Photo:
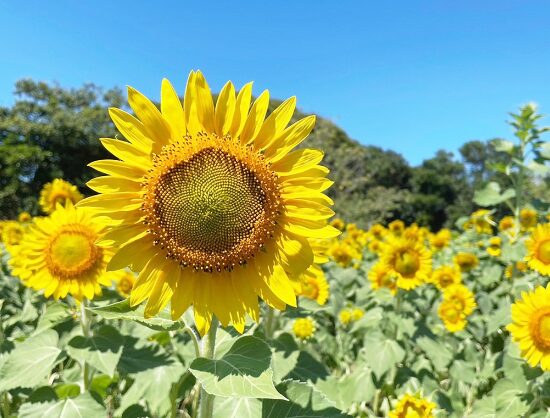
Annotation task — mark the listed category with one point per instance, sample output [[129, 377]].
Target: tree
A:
[[50, 132]]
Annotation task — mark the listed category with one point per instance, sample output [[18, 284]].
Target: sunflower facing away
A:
[[530, 326], [58, 191], [538, 250], [210, 203], [59, 254]]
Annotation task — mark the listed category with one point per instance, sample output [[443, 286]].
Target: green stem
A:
[[269, 320], [85, 323], [5, 405], [206, 401]]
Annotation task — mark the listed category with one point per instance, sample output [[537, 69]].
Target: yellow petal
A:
[[225, 109], [143, 243], [276, 122], [172, 109], [297, 162], [132, 129], [241, 110], [289, 138], [255, 118], [109, 184], [118, 168], [125, 151], [205, 104], [155, 125]]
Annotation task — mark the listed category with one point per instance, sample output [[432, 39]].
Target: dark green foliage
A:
[[50, 132]]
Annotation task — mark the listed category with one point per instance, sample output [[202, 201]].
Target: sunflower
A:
[[338, 223], [466, 261], [209, 202], [381, 276], [345, 316], [441, 239], [530, 326], [507, 223], [24, 217], [315, 285], [357, 314], [344, 252], [445, 276], [461, 297], [304, 328], [59, 255], [481, 221], [494, 246], [124, 280], [12, 234], [527, 218], [377, 231], [538, 249], [409, 260], [453, 318], [396, 227], [412, 406], [58, 191]]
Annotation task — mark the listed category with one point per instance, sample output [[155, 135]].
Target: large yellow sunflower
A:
[[412, 406], [530, 326], [58, 191], [210, 203], [538, 249], [409, 260], [59, 254]]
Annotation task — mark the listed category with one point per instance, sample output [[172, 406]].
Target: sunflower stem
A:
[[6, 404], [269, 320], [206, 401], [86, 324]]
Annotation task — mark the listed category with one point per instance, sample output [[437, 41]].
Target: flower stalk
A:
[[206, 401]]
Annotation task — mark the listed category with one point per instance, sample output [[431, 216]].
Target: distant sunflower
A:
[[538, 249], [59, 255], [124, 281], [396, 227], [527, 218], [530, 326], [494, 247], [209, 202], [461, 296], [357, 314], [441, 239], [315, 285], [345, 316], [304, 328], [409, 260], [445, 276], [12, 234], [412, 406], [466, 261], [453, 318], [382, 276], [506, 223], [24, 217], [338, 223], [58, 191], [344, 252]]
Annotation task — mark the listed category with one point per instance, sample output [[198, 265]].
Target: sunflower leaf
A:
[[81, 406], [30, 362], [123, 310], [102, 351], [244, 371]]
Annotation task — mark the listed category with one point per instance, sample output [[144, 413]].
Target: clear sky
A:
[[411, 76]]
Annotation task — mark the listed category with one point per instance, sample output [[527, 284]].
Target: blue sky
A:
[[411, 76]]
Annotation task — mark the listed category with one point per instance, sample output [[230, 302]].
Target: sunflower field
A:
[[206, 275]]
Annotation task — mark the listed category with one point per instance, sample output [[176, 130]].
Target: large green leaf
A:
[[349, 389], [30, 362], [436, 352], [491, 195], [304, 401], [123, 310], [54, 314], [102, 350], [80, 407], [244, 371], [237, 407], [381, 353], [153, 386]]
